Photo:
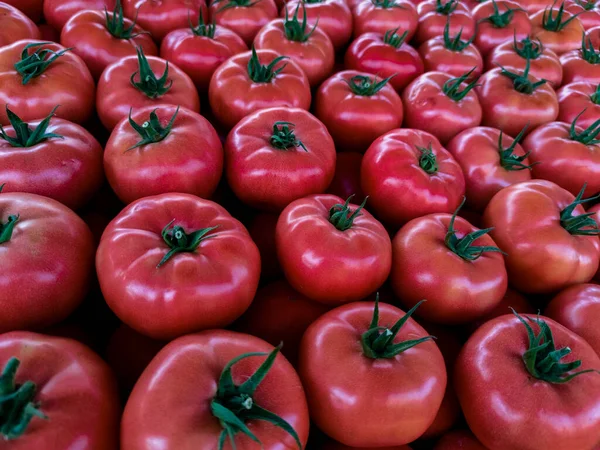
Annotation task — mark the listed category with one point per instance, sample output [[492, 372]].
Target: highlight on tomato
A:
[[15, 25], [244, 17], [58, 12]]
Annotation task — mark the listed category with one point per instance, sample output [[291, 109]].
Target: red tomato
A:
[[363, 390], [101, 38], [436, 15], [490, 161], [505, 377], [138, 81], [441, 104], [379, 16], [262, 229], [256, 80], [587, 11], [511, 300], [357, 109], [35, 77], [15, 25], [385, 55], [58, 12], [346, 181], [459, 440], [47, 254], [67, 396], [575, 98], [198, 51], [322, 241], [408, 174], [533, 6], [201, 378], [278, 155], [183, 260], [31, 8], [548, 244], [244, 17], [582, 64], [160, 150], [558, 30]]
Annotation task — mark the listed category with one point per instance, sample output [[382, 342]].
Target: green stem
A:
[[508, 159], [366, 86], [455, 44], [588, 53], [295, 30], [33, 65], [115, 23], [447, 8], [283, 137], [179, 241], [528, 49], [587, 5], [151, 131], [386, 4], [427, 160], [452, 87], [587, 136], [582, 224], [342, 217], [203, 29], [595, 97], [263, 74], [500, 20], [6, 229], [556, 24], [148, 84], [522, 83], [392, 38], [26, 136]]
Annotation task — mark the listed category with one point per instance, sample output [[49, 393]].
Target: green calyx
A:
[[378, 342], [455, 44], [521, 82], [151, 131], [528, 49], [179, 241], [553, 22], [427, 160], [25, 136], [115, 23], [588, 53], [366, 86], [17, 407], [263, 74], [500, 20], [312, 2], [583, 224], [148, 84], [342, 217], [283, 137], [386, 4], [589, 136], [595, 97], [452, 87], [235, 4], [392, 38], [202, 29], [542, 358], [6, 229], [33, 65], [587, 5], [295, 30], [445, 8], [234, 405], [510, 161]]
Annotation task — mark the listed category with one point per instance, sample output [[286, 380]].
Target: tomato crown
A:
[[589, 136], [392, 38], [283, 137], [528, 49], [6, 229], [149, 85], [34, 64], [500, 20], [386, 4], [508, 160], [17, 407], [365, 86], [179, 241], [445, 8], [234, 4], [556, 23], [342, 217], [452, 87], [582, 224], [25, 136], [294, 29], [455, 44], [263, 74], [202, 29], [522, 83], [587, 5], [427, 159], [588, 53], [233, 405], [151, 131], [595, 97], [115, 23]]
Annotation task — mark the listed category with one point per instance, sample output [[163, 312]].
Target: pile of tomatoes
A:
[[225, 225]]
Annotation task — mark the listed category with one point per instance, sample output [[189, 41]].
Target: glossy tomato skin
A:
[[524, 231], [459, 440], [246, 21], [31, 8], [183, 378], [117, 96], [58, 12], [75, 389], [188, 160], [15, 25], [399, 189], [489, 36], [370, 18], [576, 97], [589, 18], [269, 178], [394, 400], [569, 38], [87, 35], [476, 151], [576, 68], [437, 58], [46, 265], [353, 120], [233, 95], [432, 23], [346, 180], [66, 82], [490, 372]]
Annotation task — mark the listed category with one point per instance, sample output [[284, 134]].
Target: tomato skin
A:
[[292, 173], [394, 400], [320, 261], [116, 96], [459, 440], [432, 23], [437, 58], [488, 36], [353, 120], [58, 12], [573, 99], [588, 18], [490, 373], [188, 160], [233, 95], [262, 229], [346, 180], [221, 276], [567, 39], [524, 231], [46, 265], [245, 21], [87, 34], [369, 18], [183, 378], [31, 8], [199, 56], [15, 25], [66, 82], [578, 69]]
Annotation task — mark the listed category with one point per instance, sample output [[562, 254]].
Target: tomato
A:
[[198, 51], [262, 229], [459, 440], [58, 12], [244, 17], [588, 12], [288, 144], [534, 6], [256, 80], [436, 15], [51, 157], [441, 105], [193, 389], [549, 245], [66, 396], [519, 393], [357, 109], [385, 55], [582, 64], [15, 25], [379, 16], [346, 180], [47, 254], [101, 38], [35, 77], [408, 174], [183, 260], [490, 161], [511, 300], [558, 30], [31, 8], [138, 81], [396, 390], [580, 99], [167, 149]]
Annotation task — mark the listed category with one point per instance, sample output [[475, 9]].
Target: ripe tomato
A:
[[529, 216], [459, 440], [101, 38], [208, 383], [533, 6], [290, 145], [582, 64], [587, 11], [35, 77], [31, 8], [490, 161], [15, 25], [558, 30], [346, 181], [198, 51], [575, 98], [160, 150], [58, 12], [385, 55], [379, 16], [262, 229], [436, 15], [244, 17], [135, 82], [396, 390], [47, 254], [357, 109], [63, 394], [407, 174], [183, 260], [505, 376], [256, 80]]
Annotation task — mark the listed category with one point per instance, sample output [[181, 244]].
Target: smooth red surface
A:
[[369, 18], [578, 69], [575, 98], [589, 18], [569, 38], [346, 181], [58, 12], [432, 23], [245, 21], [437, 58], [15, 25]]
